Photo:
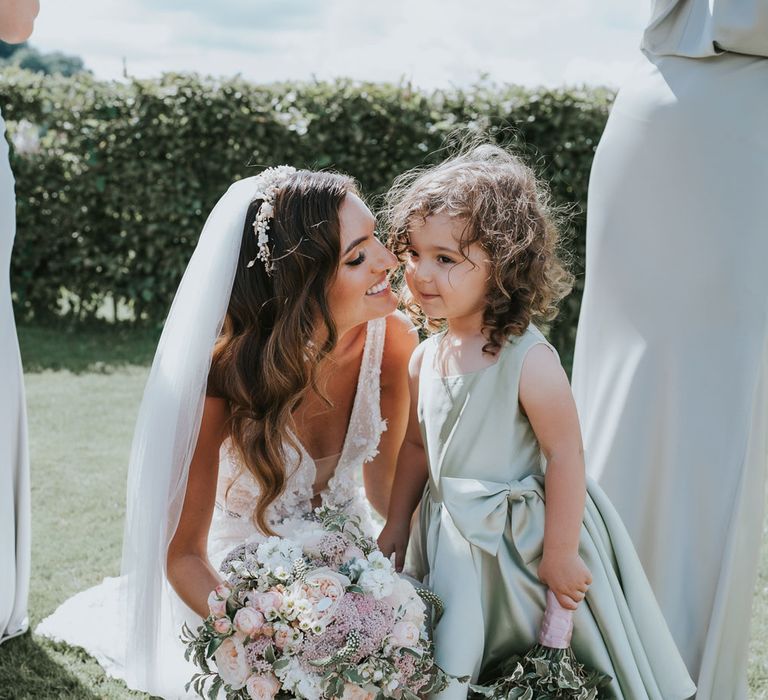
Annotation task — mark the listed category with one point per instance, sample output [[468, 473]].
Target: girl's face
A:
[[445, 282], [360, 291]]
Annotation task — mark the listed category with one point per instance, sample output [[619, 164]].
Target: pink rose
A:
[[223, 591], [325, 588], [248, 621], [222, 625], [404, 634], [262, 687], [283, 635], [355, 692], [231, 662], [217, 607], [267, 603]]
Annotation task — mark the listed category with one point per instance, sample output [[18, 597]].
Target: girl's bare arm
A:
[[545, 396]]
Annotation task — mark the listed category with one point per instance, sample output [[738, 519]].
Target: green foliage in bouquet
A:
[[114, 180], [544, 674]]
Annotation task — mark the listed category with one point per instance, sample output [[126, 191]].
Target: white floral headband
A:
[[268, 184]]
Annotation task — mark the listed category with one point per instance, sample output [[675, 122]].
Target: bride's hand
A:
[[394, 539]]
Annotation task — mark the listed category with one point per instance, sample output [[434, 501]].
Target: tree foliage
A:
[[112, 199], [29, 58]]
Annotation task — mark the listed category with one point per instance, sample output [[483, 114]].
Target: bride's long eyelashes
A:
[[357, 261]]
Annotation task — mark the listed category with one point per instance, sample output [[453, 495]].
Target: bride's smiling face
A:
[[360, 290]]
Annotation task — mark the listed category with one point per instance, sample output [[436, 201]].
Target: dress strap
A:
[[513, 356], [374, 345], [371, 424]]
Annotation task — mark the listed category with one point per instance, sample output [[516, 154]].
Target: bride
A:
[[281, 373]]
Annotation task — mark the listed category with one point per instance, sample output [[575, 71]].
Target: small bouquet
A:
[[322, 614], [549, 671]]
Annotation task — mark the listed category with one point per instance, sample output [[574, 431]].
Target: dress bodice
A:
[[472, 424], [237, 491]]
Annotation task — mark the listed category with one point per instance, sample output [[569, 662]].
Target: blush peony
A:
[[232, 663]]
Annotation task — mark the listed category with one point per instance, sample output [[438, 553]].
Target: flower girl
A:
[[494, 443]]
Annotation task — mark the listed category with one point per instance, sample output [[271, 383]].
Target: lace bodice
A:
[[237, 491]]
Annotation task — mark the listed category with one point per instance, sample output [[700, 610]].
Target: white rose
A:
[[248, 621], [377, 582], [262, 687], [404, 634], [355, 692], [405, 600], [231, 663], [377, 560], [297, 681]]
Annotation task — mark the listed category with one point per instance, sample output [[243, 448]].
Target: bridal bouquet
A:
[[322, 614]]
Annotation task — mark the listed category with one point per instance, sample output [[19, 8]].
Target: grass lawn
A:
[[83, 392]]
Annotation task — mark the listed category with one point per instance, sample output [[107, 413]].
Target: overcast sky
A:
[[434, 43]]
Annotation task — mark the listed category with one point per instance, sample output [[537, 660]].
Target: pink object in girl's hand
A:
[[557, 626]]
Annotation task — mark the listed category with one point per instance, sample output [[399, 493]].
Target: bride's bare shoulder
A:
[[401, 339]]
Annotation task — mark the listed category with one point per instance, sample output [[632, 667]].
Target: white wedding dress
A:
[[94, 619]]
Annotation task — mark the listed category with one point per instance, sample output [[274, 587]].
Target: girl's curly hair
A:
[[507, 212]]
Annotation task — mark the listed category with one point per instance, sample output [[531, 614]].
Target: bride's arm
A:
[[189, 571], [400, 342]]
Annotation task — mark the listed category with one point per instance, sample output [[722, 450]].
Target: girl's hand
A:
[[567, 576], [394, 539]]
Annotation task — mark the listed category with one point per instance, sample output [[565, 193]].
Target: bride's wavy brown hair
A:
[[507, 211], [266, 357]]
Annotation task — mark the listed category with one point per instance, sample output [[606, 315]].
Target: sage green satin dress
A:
[[480, 535]]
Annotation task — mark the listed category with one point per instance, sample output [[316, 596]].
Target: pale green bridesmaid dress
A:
[[480, 538]]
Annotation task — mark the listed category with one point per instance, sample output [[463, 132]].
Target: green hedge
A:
[[111, 203]]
